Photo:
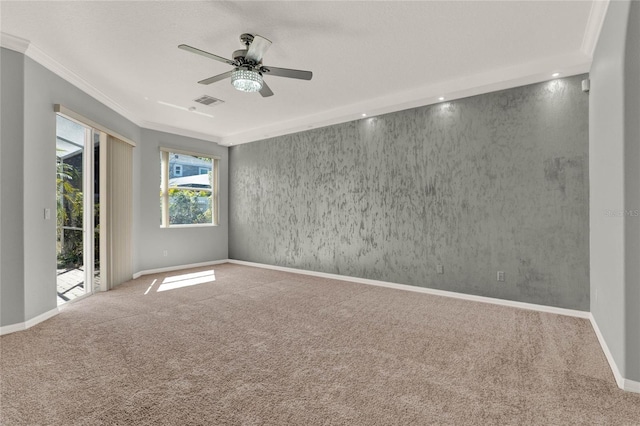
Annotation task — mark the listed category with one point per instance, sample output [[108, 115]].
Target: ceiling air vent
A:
[[208, 100]]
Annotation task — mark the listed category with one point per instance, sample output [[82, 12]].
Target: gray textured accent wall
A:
[[492, 182]]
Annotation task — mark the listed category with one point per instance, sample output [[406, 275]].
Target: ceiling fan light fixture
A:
[[246, 75], [246, 80]]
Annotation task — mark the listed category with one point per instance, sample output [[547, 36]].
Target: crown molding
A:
[[150, 125], [498, 79], [14, 43], [491, 81], [38, 55], [594, 26], [70, 76]]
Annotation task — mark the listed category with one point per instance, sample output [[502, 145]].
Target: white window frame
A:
[[164, 187], [177, 167]]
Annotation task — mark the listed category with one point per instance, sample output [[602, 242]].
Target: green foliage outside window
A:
[[189, 206], [189, 199], [69, 214]]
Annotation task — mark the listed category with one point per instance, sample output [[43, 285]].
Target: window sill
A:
[[196, 225]]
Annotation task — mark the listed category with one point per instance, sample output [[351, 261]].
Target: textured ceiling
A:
[[366, 57]]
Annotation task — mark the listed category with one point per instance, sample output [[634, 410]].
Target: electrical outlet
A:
[[47, 214], [165, 253], [440, 269], [501, 276]]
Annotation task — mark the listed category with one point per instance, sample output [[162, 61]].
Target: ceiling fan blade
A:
[[285, 72], [266, 90], [216, 78], [257, 48], [205, 54]]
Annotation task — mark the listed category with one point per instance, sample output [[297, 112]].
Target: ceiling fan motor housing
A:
[[246, 39], [239, 55]]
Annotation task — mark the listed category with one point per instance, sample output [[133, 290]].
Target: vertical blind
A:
[[117, 221], [116, 201]]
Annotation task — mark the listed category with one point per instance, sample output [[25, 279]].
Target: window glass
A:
[[188, 189]]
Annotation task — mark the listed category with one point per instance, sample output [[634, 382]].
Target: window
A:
[[190, 197]]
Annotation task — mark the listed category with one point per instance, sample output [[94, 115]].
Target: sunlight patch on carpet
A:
[[186, 280], [149, 288]]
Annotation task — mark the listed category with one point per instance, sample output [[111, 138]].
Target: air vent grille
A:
[[208, 100]]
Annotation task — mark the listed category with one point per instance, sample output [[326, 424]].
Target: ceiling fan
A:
[[248, 72]]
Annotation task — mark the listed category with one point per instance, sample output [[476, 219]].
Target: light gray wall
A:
[[11, 188], [632, 193], [184, 245], [43, 89], [493, 182], [615, 185], [28, 253]]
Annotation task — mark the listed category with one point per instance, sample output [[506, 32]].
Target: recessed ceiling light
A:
[[555, 74], [441, 98], [364, 115]]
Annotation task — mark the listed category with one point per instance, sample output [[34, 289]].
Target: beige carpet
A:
[[260, 347]]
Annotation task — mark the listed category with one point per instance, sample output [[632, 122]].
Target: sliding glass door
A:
[[77, 187]]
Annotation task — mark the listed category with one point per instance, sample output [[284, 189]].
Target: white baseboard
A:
[[28, 324], [483, 299], [7, 329], [631, 386], [74, 300], [607, 353], [178, 267], [624, 384]]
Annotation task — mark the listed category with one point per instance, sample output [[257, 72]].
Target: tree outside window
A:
[[188, 198]]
